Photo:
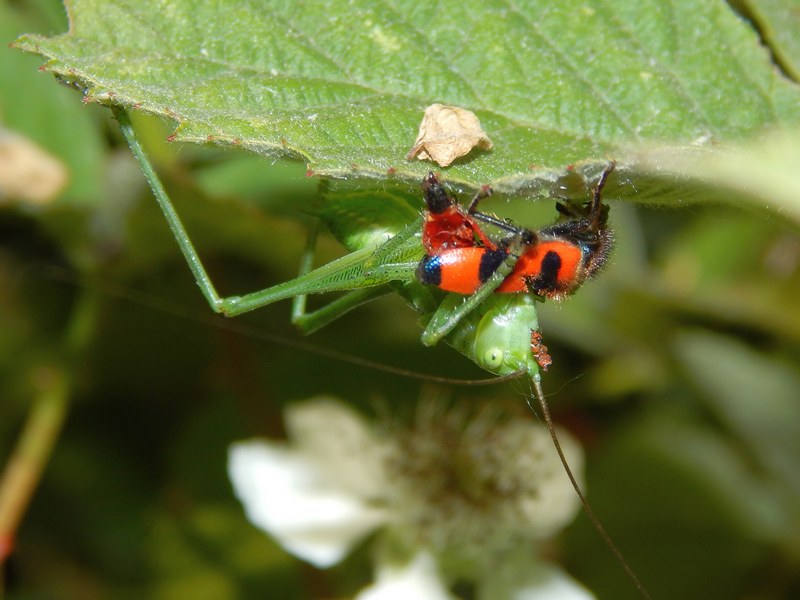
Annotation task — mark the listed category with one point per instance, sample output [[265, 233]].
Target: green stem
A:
[[42, 427], [32, 451]]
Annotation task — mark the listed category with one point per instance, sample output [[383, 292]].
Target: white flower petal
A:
[[532, 580], [341, 441], [296, 502], [418, 579], [551, 583]]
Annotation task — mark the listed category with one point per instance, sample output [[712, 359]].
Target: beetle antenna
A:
[[538, 393]]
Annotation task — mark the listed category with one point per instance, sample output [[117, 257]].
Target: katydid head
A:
[[497, 336]]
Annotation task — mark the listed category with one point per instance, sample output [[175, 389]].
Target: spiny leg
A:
[[472, 209], [399, 248], [174, 221], [311, 322], [597, 197], [308, 322]]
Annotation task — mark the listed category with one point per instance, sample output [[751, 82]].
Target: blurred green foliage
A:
[[679, 368]]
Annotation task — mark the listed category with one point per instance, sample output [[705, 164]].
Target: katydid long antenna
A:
[[538, 394], [159, 304]]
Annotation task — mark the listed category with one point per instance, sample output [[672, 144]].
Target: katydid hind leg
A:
[[175, 224], [346, 274]]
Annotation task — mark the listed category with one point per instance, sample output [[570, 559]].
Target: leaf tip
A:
[[25, 44]]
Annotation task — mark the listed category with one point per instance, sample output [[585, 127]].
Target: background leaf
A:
[[779, 21]]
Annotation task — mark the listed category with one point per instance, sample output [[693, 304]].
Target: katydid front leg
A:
[[454, 308]]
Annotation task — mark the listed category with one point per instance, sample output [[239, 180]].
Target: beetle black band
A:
[[547, 279], [429, 270], [490, 261]]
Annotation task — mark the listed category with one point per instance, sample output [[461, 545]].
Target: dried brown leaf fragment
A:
[[27, 172], [447, 133]]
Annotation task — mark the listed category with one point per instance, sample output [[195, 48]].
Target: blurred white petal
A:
[[341, 441], [480, 504], [552, 584], [419, 580], [533, 580], [299, 504]]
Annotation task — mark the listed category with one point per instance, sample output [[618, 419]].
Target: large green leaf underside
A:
[[343, 85]]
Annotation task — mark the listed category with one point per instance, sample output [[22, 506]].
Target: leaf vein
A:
[[571, 67]]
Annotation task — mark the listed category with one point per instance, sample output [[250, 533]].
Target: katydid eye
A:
[[493, 358]]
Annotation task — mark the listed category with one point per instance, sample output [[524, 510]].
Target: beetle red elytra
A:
[[556, 261]]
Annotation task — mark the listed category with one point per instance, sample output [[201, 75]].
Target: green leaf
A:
[[755, 396], [761, 173], [668, 478], [343, 85]]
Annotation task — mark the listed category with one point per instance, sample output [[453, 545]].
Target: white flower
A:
[[419, 578], [522, 577], [314, 499], [456, 496]]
